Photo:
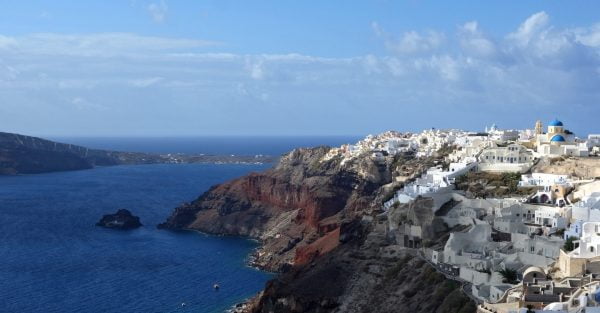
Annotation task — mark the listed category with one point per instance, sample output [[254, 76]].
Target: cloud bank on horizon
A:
[[124, 83]]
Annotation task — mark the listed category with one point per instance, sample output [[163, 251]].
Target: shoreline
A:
[[249, 261]]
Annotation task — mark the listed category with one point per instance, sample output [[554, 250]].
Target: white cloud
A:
[[536, 69], [530, 28], [379, 32], [371, 64], [82, 104], [146, 82], [158, 11], [410, 41], [97, 45], [255, 68], [590, 36], [7, 42], [473, 40], [74, 84]]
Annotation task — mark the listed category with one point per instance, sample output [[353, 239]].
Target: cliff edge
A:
[[295, 209], [316, 214]]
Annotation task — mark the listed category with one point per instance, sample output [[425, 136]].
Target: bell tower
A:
[[538, 127]]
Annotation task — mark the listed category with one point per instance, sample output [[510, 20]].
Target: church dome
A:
[[558, 138], [555, 122]]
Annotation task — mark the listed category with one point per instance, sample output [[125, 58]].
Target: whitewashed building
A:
[[586, 255], [588, 209], [512, 158]]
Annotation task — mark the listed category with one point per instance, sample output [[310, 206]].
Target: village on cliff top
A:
[[535, 252]]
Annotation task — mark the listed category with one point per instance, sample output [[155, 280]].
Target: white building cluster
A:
[[528, 235], [498, 150]]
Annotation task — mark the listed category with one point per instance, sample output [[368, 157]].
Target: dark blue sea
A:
[[53, 258]]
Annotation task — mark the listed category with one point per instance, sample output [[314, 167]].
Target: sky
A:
[[283, 67]]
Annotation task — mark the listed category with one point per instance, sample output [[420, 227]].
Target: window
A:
[[591, 249]]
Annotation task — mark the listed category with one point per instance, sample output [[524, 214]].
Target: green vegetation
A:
[[569, 244], [451, 299], [456, 302], [428, 243], [393, 271], [508, 276], [431, 276], [446, 150], [482, 184], [511, 180], [553, 161]]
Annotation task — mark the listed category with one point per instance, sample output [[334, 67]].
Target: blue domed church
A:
[[557, 141]]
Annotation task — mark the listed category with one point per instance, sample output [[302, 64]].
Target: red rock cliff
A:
[[291, 205]]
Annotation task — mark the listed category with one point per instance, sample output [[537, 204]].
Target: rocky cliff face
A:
[[313, 214], [363, 275], [295, 208], [30, 155]]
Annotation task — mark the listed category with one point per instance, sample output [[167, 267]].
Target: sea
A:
[[54, 259]]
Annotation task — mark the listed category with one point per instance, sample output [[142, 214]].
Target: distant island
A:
[[20, 154]]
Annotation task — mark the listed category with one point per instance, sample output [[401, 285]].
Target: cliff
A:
[[304, 197], [364, 274], [21, 154], [313, 213]]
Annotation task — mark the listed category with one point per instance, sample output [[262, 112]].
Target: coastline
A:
[[250, 259], [171, 268], [250, 262]]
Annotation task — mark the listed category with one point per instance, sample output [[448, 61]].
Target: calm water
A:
[[53, 258]]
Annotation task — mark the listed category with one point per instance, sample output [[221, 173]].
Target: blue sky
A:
[[170, 68]]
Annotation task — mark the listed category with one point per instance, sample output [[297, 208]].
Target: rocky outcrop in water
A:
[[122, 220]]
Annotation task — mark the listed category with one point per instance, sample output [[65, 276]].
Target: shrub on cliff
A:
[[509, 275], [456, 302], [393, 271], [569, 244]]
